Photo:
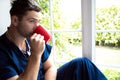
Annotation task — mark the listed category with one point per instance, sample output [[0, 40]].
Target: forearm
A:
[[31, 70], [37, 45], [51, 74]]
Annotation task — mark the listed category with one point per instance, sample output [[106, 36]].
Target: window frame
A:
[[88, 11]]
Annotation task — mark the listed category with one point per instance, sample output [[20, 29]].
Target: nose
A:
[[36, 24]]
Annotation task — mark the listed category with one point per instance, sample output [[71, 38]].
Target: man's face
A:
[[28, 23]]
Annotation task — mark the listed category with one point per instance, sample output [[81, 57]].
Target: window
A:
[[66, 29]]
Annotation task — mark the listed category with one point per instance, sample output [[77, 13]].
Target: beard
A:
[[24, 33], [28, 35]]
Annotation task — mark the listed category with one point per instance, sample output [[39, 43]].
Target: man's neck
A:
[[16, 39]]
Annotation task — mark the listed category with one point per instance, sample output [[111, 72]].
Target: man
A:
[[14, 46], [26, 56]]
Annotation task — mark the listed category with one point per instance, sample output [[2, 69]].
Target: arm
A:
[[30, 72], [32, 68], [50, 69]]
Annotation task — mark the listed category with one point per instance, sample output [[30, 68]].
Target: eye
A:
[[33, 21]]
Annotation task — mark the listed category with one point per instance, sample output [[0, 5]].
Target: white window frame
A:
[[88, 28]]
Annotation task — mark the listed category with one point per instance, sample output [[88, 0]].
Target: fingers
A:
[[37, 37], [37, 44]]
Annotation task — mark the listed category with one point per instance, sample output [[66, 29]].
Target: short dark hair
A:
[[20, 7]]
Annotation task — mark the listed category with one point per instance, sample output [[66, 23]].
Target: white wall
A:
[[4, 15]]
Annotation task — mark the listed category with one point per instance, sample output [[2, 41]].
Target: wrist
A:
[[35, 57]]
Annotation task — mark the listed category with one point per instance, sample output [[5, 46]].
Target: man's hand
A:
[[37, 44]]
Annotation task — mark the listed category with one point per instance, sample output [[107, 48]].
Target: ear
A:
[[14, 20]]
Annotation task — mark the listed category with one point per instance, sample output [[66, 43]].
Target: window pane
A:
[[108, 37], [107, 14], [66, 29], [67, 46], [67, 14], [108, 51]]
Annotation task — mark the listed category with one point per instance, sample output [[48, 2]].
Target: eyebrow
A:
[[34, 19]]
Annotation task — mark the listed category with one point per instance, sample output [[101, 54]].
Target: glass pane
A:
[[108, 43], [66, 30], [108, 49], [108, 14], [67, 46], [67, 14]]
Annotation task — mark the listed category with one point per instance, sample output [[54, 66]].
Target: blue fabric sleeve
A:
[[46, 53], [6, 70]]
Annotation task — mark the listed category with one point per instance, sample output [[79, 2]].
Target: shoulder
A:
[[5, 43], [6, 46]]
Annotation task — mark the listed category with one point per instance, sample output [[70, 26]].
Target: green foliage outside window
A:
[[108, 19], [112, 74]]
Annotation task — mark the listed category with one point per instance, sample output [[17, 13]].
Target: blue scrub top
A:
[[13, 61]]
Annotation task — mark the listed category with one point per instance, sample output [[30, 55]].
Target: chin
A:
[[27, 35]]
